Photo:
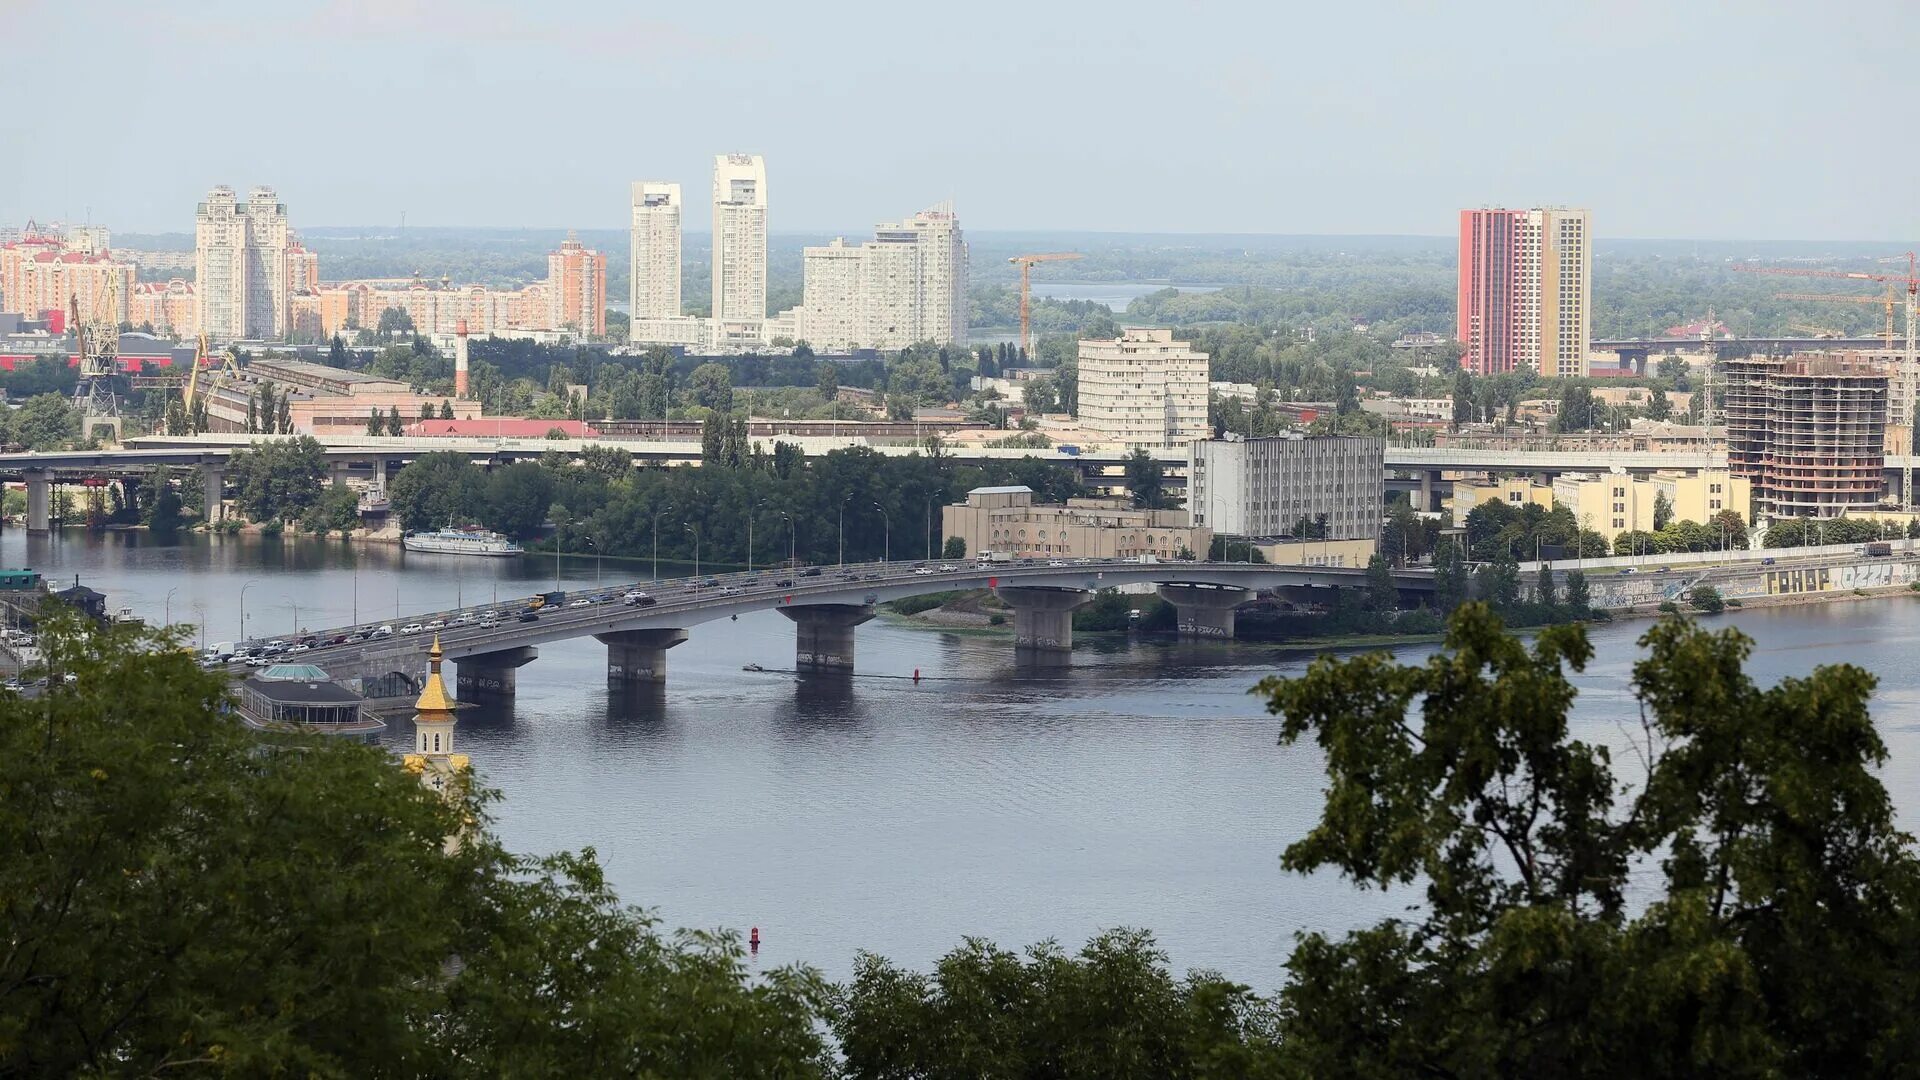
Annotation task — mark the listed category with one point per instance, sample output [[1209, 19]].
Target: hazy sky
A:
[[1669, 118]]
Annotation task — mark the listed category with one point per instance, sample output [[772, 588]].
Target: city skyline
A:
[[1030, 131]]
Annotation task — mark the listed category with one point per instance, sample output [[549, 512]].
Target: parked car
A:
[[410, 628]]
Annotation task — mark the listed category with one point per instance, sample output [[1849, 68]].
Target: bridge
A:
[[825, 608]]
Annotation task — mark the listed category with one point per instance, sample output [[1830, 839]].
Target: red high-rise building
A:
[[1489, 263], [1524, 291]]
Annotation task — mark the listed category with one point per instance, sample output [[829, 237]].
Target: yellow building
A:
[[1318, 552], [1514, 492], [1703, 495], [1006, 519], [1613, 503]]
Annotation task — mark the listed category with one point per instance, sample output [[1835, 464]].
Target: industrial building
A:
[[1266, 487], [1809, 431], [323, 400]]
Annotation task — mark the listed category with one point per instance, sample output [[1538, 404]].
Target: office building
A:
[[241, 267], [1143, 390], [1006, 519], [739, 243], [1524, 290], [577, 289], [1334, 484], [1808, 430], [906, 285], [654, 260]]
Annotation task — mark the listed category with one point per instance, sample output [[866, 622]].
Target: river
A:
[[1140, 787]]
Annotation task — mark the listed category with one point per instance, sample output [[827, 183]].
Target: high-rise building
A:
[[906, 285], [577, 288], [1143, 389], [739, 242], [43, 273], [1335, 484], [1808, 430], [1524, 290], [654, 272], [240, 263]]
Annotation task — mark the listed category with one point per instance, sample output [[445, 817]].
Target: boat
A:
[[752, 667], [460, 542]]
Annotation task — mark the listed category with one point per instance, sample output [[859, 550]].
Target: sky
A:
[[1667, 118]]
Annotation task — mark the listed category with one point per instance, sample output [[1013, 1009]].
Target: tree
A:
[[1382, 594], [163, 518], [1543, 591], [1778, 936], [954, 548], [289, 902], [1450, 586], [1146, 481], [394, 321], [1659, 406], [395, 426], [436, 490], [376, 424], [426, 410], [517, 498], [337, 352], [713, 435], [1579, 597], [1499, 582], [446, 410], [336, 510], [278, 481], [45, 422], [1662, 510], [828, 381], [1706, 598], [711, 386], [1671, 368]]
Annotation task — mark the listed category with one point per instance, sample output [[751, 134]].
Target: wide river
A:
[[1142, 786]]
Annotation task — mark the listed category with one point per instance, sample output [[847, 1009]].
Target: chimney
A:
[[460, 360]]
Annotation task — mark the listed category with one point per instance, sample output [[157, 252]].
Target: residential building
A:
[[739, 241], [654, 259], [170, 308], [1143, 389], [242, 279], [40, 274], [906, 285], [1808, 431], [1515, 492], [1613, 503], [1524, 290], [1006, 519], [577, 289], [1268, 487]]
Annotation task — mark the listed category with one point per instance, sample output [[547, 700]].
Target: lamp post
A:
[[752, 512], [295, 605], [588, 540], [166, 619], [792, 531], [243, 608], [843, 529], [695, 530], [201, 610], [930, 527], [886, 534], [656, 539]]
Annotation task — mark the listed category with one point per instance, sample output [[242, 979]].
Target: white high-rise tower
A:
[[655, 266], [739, 244], [240, 265]]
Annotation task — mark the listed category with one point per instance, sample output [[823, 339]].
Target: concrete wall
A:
[[1751, 583]]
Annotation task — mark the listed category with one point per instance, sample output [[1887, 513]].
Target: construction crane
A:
[[1025, 263], [1910, 361], [1886, 333], [98, 344], [190, 392], [1812, 330]]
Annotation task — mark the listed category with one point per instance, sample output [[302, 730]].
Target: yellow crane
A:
[[1812, 330], [1886, 301], [1025, 262], [190, 390]]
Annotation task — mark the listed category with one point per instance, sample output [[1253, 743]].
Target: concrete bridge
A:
[[825, 610]]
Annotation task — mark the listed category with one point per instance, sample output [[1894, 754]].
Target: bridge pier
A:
[[823, 635], [1204, 611], [491, 674], [1043, 620], [638, 656], [1427, 477], [39, 499], [213, 492]]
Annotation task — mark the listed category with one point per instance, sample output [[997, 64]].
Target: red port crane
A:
[[1025, 263]]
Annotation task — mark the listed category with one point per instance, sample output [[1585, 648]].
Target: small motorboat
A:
[[752, 667]]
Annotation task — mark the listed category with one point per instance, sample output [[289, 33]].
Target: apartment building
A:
[[1808, 431], [739, 242], [1006, 519], [906, 285], [1266, 487], [41, 273], [1524, 290], [577, 289], [169, 307], [654, 256], [242, 277], [1143, 390]]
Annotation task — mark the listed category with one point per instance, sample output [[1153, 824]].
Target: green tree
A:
[[1146, 481], [1659, 406], [395, 426], [1579, 598], [45, 422], [1706, 598], [828, 381], [1775, 899], [426, 410], [278, 481], [711, 386], [438, 489], [1382, 594], [446, 410], [1543, 591], [394, 321], [1662, 510], [954, 548], [1462, 398], [337, 509], [517, 498], [1450, 584], [376, 424], [337, 352], [1498, 582]]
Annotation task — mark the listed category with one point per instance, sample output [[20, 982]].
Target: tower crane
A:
[[1886, 333], [1910, 361], [1025, 262], [1815, 330]]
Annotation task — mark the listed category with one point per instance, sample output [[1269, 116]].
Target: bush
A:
[[914, 605], [1668, 607], [996, 619], [1706, 598]]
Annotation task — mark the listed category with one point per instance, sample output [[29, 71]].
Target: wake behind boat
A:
[[460, 542]]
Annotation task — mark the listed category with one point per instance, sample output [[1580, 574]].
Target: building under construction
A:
[[1808, 430]]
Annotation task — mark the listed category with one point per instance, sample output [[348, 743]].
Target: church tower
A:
[[433, 759]]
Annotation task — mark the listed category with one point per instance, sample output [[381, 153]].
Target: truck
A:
[[546, 600], [994, 557], [1879, 548]]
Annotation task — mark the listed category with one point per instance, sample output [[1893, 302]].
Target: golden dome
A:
[[433, 696]]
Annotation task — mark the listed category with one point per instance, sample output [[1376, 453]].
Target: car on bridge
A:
[[529, 616], [412, 628], [638, 599]]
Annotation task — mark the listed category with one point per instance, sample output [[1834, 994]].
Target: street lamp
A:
[[843, 529], [291, 602], [166, 619], [752, 512], [695, 530], [930, 499], [201, 610], [792, 530], [243, 608], [886, 534], [588, 540], [656, 539]]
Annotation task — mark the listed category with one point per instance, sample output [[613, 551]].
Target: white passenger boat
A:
[[460, 542]]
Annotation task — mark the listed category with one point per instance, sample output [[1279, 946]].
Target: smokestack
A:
[[460, 360]]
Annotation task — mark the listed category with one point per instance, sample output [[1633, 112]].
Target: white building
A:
[[1264, 487], [240, 265], [654, 265], [906, 285], [1143, 390], [739, 244]]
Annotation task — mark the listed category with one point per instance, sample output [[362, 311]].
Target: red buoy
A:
[[916, 674], [753, 939]]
